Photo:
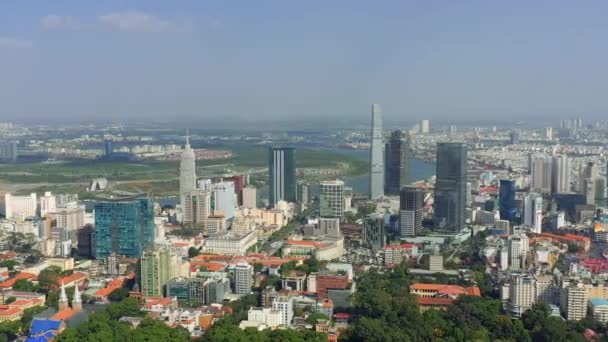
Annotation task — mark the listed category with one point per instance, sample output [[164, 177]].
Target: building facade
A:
[[376, 173], [282, 174], [395, 162], [450, 187], [411, 202], [331, 198]]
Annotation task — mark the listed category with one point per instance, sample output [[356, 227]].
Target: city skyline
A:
[[197, 61]]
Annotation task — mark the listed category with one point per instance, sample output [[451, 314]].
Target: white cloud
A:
[[55, 22], [135, 21], [13, 43]]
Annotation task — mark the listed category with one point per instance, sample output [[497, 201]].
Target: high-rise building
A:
[[155, 269], [395, 162], [331, 198], [187, 171], [303, 193], [411, 202], [450, 186], [70, 218], [19, 206], [48, 204], [124, 227], [507, 207], [108, 148], [282, 172], [284, 304], [560, 180], [522, 294], [85, 241], [224, 199], [250, 197], [514, 138], [541, 170], [549, 133], [425, 126], [8, 151], [376, 172], [600, 191], [196, 207], [518, 251], [374, 234], [239, 184], [243, 278], [533, 212]]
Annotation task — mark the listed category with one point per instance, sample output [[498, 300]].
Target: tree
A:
[[192, 252], [315, 317], [10, 264], [25, 286], [127, 307], [118, 294]]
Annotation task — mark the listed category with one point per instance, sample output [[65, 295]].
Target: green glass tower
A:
[[124, 227]]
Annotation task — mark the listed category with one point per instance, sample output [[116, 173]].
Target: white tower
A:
[[187, 170], [376, 172]]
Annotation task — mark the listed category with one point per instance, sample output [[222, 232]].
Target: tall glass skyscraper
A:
[[331, 198], [450, 186], [124, 227], [411, 202], [187, 171], [395, 162], [507, 206], [282, 172], [376, 171]]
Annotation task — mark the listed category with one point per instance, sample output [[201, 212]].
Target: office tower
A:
[[284, 304], [411, 202], [239, 184], [518, 251], [541, 170], [560, 180], [124, 227], [243, 278], [586, 172], [19, 206], [374, 234], [589, 190], [522, 294], [196, 207], [48, 204], [600, 191], [469, 196], [282, 172], [533, 212], [508, 210], [250, 197], [450, 186], [85, 241], [514, 138], [395, 162], [425, 126], [376, 172], [224, 199], [108, 148], [303, 193], [331, 198], [70, 218], [549, 133], [453, 129], [155, 269], [187, 171], [8, 151]]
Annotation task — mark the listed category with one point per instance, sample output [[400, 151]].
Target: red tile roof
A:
[[434, 301], [10, 282]]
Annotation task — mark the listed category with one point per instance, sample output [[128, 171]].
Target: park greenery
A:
[[385, 311]]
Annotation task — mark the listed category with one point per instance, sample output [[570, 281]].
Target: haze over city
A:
[[277, 60]]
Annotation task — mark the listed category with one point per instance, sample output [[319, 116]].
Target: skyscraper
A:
[[224, 199], [376, 172], [187, 171], [411, 202], [425, 126], [124, 227], [282, 172], [243, 278], [541, 170], [508, 209], [155, 269], [196, 206], [331, 198], [374, 234], [8, 151], [250, 197], [396, 162], [560, 180], [450, 186], [533, 212]]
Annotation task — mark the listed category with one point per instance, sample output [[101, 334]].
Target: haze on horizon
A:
[[267, 60]]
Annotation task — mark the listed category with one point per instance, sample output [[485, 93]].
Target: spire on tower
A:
[[63, 297], [77, 298]]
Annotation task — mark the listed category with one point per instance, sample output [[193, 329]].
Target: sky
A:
[[261, 60]]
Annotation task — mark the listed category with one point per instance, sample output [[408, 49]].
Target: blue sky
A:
[[449, 60]]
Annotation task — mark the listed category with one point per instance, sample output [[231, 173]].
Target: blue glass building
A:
[[450, 187], [124, 227], [507, 205]]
